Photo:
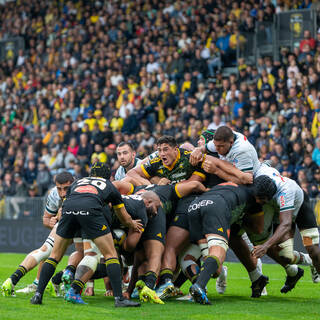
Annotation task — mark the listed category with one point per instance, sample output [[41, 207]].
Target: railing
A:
[[22, 207], [286, 30]]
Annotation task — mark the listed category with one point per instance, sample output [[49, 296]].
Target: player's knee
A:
[[286, 250], [310, 237], [214, 241], [90, 261], [44, 252]]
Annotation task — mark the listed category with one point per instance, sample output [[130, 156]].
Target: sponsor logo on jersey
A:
[[77, 213], [86, 189], [282, 201], [279, 176], [178, 175], [202, 203]]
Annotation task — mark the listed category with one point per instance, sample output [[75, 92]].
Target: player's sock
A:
[[77, 286], [255, 275], [181, 279], [18, 274], [56, 279], [193, 275], [114, 273], [302, 258], [142, 277], [150, 279], [100, 272], [291, 270], [210, 267], [165, 275], [36, 281], [47, 272], [71, 268]]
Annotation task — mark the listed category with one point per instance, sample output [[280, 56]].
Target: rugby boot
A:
[[147, 294], [164, 291], [7, 288], [292, 281], [121, 302], [30, 288], [73, 297], [314, 274], [221, 283], [67, 279], [198, 294], [36, 299], [258, 286]]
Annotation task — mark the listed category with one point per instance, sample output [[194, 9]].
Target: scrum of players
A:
[[168, 219]]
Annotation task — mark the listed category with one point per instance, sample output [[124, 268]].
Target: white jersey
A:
[[242, 154], [53, 201], [289, 195], [121, 171]]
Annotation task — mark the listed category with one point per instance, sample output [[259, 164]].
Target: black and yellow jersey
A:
[[180, 170]]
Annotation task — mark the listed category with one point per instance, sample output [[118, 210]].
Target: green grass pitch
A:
[[302, 303]]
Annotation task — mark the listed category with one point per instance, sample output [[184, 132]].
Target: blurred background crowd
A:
[[94, 73]]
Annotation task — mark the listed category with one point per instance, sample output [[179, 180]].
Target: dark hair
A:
[[264, 187], [171, 141], [63, 177], [223, 133], [124, 143], [100, 169]]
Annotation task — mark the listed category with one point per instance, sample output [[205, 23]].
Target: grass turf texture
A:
[[302, 303]]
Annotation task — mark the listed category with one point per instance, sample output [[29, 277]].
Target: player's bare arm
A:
[[226, 171], [279, 235], [126, 220]]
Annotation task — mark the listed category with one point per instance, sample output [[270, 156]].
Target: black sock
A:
[[56, 279], [181, 279], [210, 266], [18, 274], [142, 277], [165, 275], [101, 271], [77, 286], [193, 276], [150, 279], [114, 273], [47, 272], [71, 268]]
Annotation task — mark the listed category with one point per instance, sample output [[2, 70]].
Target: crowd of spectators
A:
[[95, 73]]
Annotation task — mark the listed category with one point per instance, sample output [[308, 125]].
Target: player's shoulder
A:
[[53, 192]]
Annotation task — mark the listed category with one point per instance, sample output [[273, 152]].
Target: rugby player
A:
[[127, 159], [234, 148], [83, 209], [294, 209], [55, 197], [212, 215]]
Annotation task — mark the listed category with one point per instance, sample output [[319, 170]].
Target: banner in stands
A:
[[22, 235], [298, 21], [9, 48]]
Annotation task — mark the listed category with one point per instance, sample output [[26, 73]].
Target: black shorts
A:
[[156, 228], [91, 223], [212, 218], [306, 218], [180, 220]]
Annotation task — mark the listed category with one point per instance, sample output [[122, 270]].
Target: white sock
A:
[[222, 275], [35, 281], [305, 259], [255, 275], [291, 270]]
